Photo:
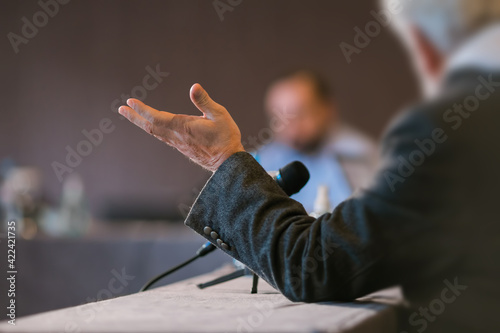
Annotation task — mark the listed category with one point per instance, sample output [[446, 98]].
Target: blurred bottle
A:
[[21, 199], [73, 217], [322, 202]]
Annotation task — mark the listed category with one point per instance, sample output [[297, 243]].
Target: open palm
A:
[[208, 140]]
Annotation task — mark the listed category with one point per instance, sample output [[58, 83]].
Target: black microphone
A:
[[292, 177]]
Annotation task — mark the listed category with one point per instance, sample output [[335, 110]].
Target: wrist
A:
[[223, 157]]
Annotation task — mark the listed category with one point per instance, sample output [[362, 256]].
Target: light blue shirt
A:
[[323, 167]]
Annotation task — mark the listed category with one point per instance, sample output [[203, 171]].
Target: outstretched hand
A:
[[208, 140]]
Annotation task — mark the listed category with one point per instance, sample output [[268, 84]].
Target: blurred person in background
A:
[[429, 220], [307, 127]]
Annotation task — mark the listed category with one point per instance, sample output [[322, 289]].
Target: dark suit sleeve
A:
[[370, 241]]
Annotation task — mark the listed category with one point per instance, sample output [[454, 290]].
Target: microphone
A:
[[292, 177]]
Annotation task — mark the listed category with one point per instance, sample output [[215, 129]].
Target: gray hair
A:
[[446, 23]]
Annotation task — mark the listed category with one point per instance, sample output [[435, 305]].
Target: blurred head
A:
[[301, 110], [434, 29]]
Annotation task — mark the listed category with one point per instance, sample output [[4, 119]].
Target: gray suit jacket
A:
[[429, 222]]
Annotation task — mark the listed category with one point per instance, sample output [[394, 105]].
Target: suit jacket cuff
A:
[[211, 213]]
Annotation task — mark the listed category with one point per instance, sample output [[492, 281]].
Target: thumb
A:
[[204, 103]]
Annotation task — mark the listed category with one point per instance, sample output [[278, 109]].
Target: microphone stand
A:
[[231, 276]]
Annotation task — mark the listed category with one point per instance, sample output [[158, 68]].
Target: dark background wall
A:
[[66, 77]]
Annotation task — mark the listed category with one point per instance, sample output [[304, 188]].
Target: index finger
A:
[[144, 110], [136, 119]]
